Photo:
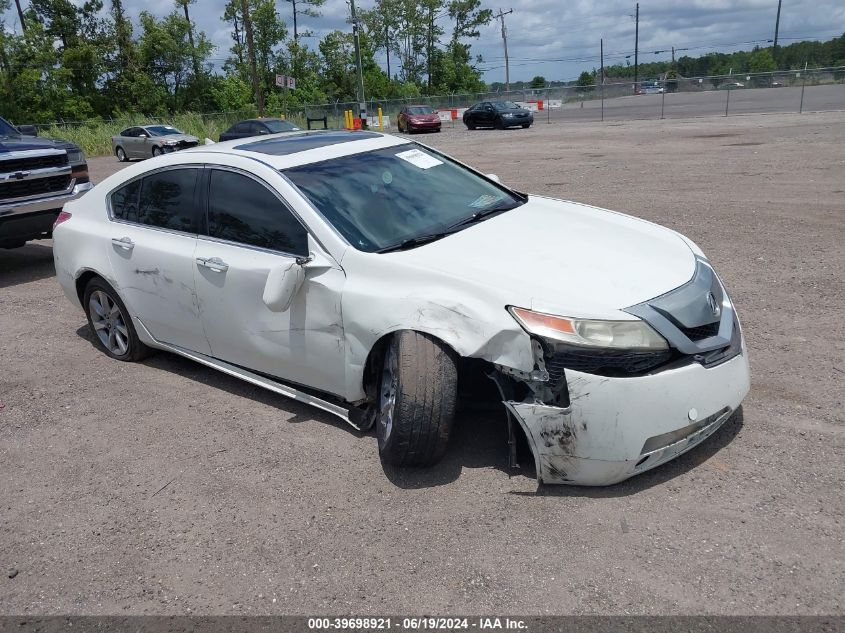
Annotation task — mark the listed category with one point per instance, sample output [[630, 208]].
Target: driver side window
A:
[[243, 210]]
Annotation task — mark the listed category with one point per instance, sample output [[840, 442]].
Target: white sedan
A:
[[380, 280]]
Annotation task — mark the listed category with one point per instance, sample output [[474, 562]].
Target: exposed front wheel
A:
[[111, 324], [417, 396], [157, 151], [121, 154], [525, 126]]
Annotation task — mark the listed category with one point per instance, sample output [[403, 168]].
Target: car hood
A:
[[25, 143], [566, 258]]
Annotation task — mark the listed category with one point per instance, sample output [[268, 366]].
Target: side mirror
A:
[[493, 177], [28, 130], [142, 136], [283, 282], [263, 132]]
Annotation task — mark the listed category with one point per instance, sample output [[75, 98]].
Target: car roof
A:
[[290, 149]]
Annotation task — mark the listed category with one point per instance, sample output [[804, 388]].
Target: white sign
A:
[[419, 159], [281, 80], [372, 122], [445, 115], [291, 83]]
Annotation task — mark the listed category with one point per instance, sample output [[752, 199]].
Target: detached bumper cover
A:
[[615, 428]]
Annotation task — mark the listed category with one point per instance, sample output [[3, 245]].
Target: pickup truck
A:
[[37, 177]]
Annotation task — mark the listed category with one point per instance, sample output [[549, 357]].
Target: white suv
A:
[[370, 276]]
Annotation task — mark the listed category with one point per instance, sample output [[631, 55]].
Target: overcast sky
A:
[[559, 38]]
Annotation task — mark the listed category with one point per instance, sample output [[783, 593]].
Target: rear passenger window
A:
[[245, 211], [124, 202], [167, 200], [164, 199]]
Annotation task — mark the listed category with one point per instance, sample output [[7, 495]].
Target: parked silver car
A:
[[144, 141]]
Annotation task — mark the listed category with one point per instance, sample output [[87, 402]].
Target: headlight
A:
[[75, 156], [508, 114], [630, 335]]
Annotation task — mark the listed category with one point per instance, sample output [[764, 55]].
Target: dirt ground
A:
[[165, 487]]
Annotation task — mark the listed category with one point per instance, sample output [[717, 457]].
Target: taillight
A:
[[64, 216]]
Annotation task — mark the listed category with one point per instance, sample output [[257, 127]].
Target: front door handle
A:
[[213, 263], [125, 243]]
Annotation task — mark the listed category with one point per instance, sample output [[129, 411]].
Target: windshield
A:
[[420, 110], [280, 126], [505, 105], [162, 130], [382, 198], [6, 129]]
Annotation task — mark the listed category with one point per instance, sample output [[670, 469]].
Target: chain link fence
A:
[[820, 89]]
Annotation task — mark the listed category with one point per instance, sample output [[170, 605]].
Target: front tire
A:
[[111, 324], [121, 155], [157, 151], [417, 398]]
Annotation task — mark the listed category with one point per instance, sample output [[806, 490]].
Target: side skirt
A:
[[248, 376]]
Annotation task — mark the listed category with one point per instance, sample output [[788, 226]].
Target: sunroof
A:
[[293, 144]]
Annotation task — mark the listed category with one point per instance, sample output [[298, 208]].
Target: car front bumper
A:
[[28, 218], [424, 125], [615, 428]]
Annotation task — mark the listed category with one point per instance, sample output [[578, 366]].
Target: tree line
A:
[[758, 60], [75, 61]]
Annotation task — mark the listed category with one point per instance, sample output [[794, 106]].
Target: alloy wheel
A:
[[109, 323]]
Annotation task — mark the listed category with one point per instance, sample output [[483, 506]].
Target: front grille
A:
[[29, 163], [604, 362], [186, 144], [701, 332], [33, 187]]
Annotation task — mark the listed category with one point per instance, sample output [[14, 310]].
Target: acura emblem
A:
[[715, 308]]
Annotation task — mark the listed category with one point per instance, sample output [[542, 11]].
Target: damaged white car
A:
[[372, 277]]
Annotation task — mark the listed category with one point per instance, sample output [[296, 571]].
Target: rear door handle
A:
[[213, 263], [125, 243]]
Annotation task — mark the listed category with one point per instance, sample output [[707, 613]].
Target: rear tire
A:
[[110, 323], [121, 155], [417, 398]]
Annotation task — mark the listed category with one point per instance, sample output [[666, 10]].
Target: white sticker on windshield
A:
[[419, 159]]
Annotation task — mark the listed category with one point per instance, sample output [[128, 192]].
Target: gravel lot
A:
[[164, 487]]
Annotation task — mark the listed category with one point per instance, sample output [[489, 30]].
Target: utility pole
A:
[[777, 26], [20, 15], [256, 86], [601, 54], [673, 54], [362, 106], [601, 48], [501, 16], [636, 50]]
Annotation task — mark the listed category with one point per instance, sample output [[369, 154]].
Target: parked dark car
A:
[[497, 114], [257, 127], [418, 118]]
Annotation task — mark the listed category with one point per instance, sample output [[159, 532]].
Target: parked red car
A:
[[418, 118]]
